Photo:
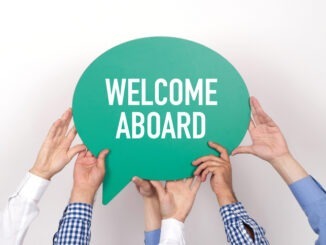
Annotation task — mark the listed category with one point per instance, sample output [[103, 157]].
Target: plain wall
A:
[[277, 46]]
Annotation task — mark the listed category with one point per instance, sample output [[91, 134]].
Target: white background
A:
[[278, 46]]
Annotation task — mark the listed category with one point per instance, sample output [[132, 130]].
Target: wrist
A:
[[42, 173], [82, 195], [286, 157], [289, 168], [226, 198], [152, 213]]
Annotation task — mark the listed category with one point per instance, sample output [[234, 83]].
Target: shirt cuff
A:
[[307, 191], [232, 212], [172, 230], [32, 187], [153, 237], [78, 210]]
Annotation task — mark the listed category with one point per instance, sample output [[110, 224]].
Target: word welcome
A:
[[175, 92]]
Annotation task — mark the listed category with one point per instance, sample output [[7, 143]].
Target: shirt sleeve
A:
[[172, 232], [235, 218], [75, 225], [312, 199], [21, 209], [152, 237]]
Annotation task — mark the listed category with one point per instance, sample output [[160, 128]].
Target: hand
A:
[[56, 152], [144, 187], [268, 142], [177, 197], [220, 168], [88, 176], [151, 203]]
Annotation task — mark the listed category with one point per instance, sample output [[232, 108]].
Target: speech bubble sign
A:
[[155, 102]]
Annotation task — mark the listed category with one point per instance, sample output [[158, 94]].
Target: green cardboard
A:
[[156, 155]]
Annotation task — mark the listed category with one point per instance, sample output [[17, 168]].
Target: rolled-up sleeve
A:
[[235, 218]]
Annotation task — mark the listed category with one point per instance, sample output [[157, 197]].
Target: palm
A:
[[268, 141], [56, 150], [177, 197], [87, 171], [168, 205]]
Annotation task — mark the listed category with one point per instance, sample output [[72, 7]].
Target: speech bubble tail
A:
[[112, 185]]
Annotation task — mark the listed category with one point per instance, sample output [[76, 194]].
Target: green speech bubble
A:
[[155, 102]]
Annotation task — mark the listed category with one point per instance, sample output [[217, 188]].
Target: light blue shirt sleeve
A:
[[312, 199], [152, 237]]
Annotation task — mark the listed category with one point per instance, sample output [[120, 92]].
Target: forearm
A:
[[82, 195], [152, 214], [289, 169]]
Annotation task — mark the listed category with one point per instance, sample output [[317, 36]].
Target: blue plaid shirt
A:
[[75, 225], [235, 217]]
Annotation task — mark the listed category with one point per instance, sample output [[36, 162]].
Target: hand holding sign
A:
[[155, 102]]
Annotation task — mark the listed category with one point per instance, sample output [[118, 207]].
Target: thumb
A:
[[76, 149], [158, 187], [101, 159], [243, 150]]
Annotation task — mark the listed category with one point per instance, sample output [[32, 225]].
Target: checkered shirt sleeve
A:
[[235, 217], [75, 225]]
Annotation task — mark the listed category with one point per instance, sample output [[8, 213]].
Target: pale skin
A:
[[269, 144], [151, 203], [176, 198], [89, 172], [56, 151], [221, 176]]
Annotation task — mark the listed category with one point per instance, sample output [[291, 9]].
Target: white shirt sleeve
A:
[[172, 232], [21, 210]]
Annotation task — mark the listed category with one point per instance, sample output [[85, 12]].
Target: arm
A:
[[269, 144], [54, 155], [176, 200], [151, 211], [75, 225], [239, 227]]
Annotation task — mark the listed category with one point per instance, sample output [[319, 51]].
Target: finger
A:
[[206, 165], [66, 118], [75, 150], [251, 125], [261, 117], [220, 149], [205, 159], [58, 132], [140, 182], [82, 154], [89, 154], [206, 172], [189, 181], [101, 158], [70, 137], [243, 150], [158, 187], [53, 130], [196, 184]]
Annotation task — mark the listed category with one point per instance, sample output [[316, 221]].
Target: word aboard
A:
[[175, 92]]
